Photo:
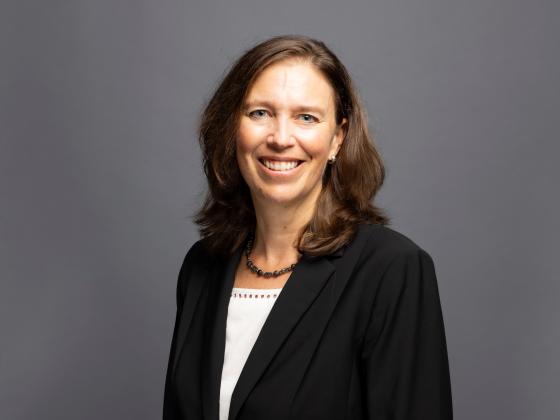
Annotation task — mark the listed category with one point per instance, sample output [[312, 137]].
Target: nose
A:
[[282, 135]]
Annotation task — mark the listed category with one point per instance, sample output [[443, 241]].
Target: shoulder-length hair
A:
[[227, 215]]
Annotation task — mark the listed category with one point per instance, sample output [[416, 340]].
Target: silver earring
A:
[[332, 159]]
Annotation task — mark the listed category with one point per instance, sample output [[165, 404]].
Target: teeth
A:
[[280, 165]]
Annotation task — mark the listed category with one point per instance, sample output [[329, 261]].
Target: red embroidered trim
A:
[[254, 295]]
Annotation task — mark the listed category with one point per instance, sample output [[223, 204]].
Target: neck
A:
[[277, 231]]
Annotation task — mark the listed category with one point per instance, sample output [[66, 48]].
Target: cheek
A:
[[245, 145], [249, 136], [243, 165], [242, 160], [316, 144], [244, 152]]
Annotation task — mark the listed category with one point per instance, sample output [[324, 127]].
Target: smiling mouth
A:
[[277, 165]]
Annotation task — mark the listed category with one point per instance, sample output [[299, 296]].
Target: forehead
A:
[[292, 81]]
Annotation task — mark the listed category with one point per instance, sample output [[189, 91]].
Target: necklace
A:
[[257, 270]]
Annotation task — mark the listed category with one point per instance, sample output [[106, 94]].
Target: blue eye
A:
[[258, 113], [307, 118]]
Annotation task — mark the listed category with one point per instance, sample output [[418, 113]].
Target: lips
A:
[[280, 165]]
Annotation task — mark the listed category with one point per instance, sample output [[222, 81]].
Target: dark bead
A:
[[254, 269]]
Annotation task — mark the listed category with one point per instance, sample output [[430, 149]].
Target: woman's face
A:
[[287, 132]]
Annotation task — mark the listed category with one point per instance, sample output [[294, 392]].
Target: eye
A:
[[258, 113], [307, 118]]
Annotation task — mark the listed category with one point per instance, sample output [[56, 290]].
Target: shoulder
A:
[[379, 250], [386, 242], [196, 260], [193, 254], [197, 257], [389, 263]]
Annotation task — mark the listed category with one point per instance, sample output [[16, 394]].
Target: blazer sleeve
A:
[[406, 370], [171, 409]]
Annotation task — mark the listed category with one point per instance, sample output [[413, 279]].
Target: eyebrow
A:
[[299, 108]]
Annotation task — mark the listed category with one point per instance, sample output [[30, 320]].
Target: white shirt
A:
[[247, 312]]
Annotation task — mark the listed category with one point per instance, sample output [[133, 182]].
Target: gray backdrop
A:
[[100, 170]]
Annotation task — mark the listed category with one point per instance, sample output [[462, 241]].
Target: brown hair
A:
[[227, 216]]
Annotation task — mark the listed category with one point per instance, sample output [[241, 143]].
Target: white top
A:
[[247, 312]]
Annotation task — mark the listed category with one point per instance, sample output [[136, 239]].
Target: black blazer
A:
[[357, 334]]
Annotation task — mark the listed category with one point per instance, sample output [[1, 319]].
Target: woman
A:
[[299, 302]]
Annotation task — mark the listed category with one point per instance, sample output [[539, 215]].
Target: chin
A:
[[284, 197], [280, 199]]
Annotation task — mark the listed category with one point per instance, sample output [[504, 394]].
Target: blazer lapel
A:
[[221, 283], [306, 281], [192, 295]]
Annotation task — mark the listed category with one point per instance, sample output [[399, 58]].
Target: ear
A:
[[339, 136]]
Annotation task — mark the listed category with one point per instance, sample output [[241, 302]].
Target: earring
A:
[[332, 159]]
